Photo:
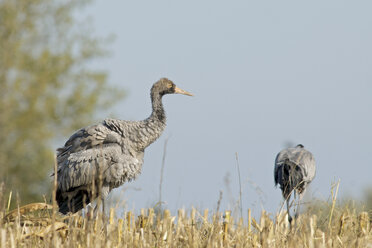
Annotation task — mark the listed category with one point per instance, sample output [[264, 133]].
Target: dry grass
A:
[[34, 226]]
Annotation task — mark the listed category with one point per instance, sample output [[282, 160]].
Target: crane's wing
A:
[[86, 174], [102, 144], [108, 164], [87, 138], [94, 158]]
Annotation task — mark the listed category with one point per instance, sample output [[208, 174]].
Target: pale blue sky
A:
[[263, 73]]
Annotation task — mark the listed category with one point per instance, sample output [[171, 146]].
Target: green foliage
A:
[[46, 87]]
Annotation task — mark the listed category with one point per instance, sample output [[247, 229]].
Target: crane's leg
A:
[[298, 205], [105, 192], [287, 199], [103, 205], [289, 214], [89, 211], [101, 200], [95, 210]]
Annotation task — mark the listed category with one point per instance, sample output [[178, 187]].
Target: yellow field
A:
[[38, 225]]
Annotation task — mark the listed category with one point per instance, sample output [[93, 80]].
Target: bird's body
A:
[[99, 158], [294, 170]]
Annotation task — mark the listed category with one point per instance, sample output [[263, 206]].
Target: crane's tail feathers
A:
[[290, 178], [72, 201]]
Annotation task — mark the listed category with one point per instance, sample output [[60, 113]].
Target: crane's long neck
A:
[[158, 113], [154, 125]]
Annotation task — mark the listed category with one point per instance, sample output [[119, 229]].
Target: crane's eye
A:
[[169, 85]]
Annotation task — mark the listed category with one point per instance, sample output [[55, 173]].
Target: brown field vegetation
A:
[[39, 225]]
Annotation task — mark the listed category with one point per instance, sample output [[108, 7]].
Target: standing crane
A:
[[99, 158], [294, 170]]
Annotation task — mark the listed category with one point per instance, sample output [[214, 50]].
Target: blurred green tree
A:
[[47, 88]]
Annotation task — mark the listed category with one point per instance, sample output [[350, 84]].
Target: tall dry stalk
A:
[[9, 201], [334, 197], [54, 202], [240, 186], [162, 171], [219, 202]]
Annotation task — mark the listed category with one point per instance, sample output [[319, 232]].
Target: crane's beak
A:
[[183, 92]]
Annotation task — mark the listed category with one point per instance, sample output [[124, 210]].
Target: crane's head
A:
[[165, 86]]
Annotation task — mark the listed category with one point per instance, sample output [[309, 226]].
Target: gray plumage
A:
[[99, 158], [294, 170]]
